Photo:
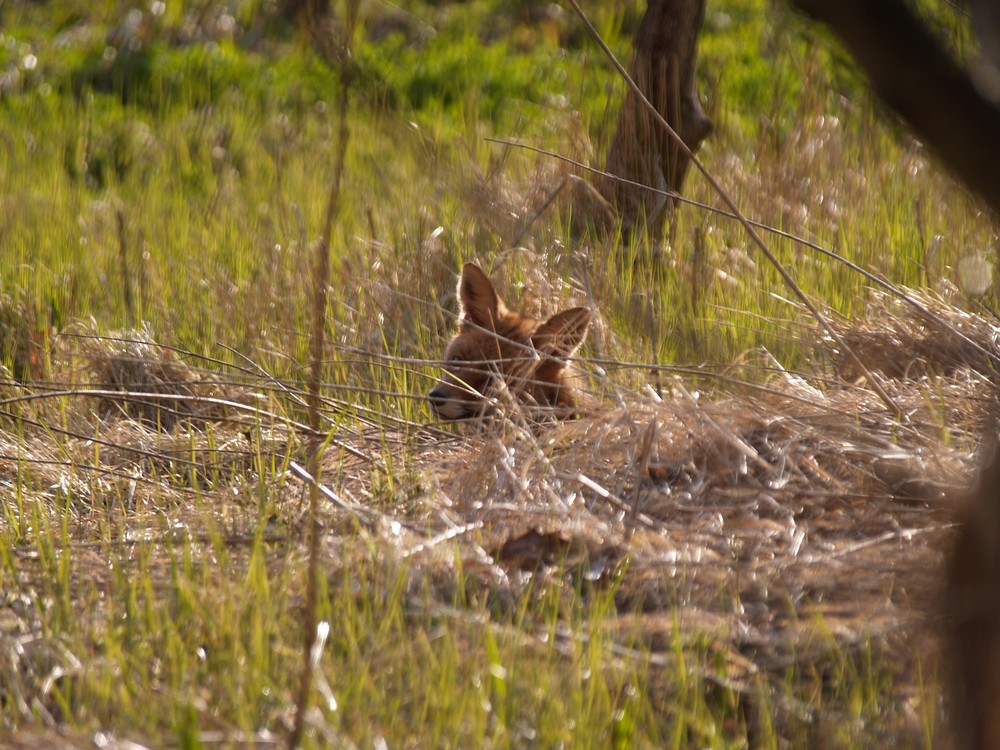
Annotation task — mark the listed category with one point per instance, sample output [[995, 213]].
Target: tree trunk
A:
[[972, 606], [642, 152]]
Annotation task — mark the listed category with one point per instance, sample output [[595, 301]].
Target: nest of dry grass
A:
[[143, 380], [768, 508], [923, 335]]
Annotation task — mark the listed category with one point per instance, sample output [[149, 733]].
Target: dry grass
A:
[[772, 527], [790, 523], [147, 382], [923, 336]]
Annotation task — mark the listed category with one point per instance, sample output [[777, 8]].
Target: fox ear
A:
[[479, 301], [562, 334]]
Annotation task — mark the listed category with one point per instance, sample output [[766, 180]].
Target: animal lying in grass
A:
[[494, 343]]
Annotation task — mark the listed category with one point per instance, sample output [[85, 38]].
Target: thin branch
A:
[[314, 382]]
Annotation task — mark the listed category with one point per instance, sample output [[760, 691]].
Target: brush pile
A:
[[147, 382]]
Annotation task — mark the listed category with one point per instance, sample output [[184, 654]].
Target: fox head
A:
[[492, 342]]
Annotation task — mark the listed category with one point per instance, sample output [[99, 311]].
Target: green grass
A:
[[182, 608]]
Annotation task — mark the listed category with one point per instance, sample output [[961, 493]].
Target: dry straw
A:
[[787, 521]]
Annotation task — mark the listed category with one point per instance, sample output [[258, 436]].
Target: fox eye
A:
[[454, 358]]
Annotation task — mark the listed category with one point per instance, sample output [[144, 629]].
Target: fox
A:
[[494, 343]]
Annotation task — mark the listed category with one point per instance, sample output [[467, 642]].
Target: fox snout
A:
[[437, 395], [455, 399], [446, 404]]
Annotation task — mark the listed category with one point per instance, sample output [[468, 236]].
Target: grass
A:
[[154, 574]]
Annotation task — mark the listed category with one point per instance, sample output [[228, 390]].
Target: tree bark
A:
[[663, 67], [972, 608]]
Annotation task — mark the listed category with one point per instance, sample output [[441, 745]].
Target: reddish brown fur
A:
[[491, 340]]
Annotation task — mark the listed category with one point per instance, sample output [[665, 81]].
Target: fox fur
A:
[[492, 342]]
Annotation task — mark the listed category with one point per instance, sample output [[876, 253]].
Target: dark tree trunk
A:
[[642, 151], [972, 606]]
